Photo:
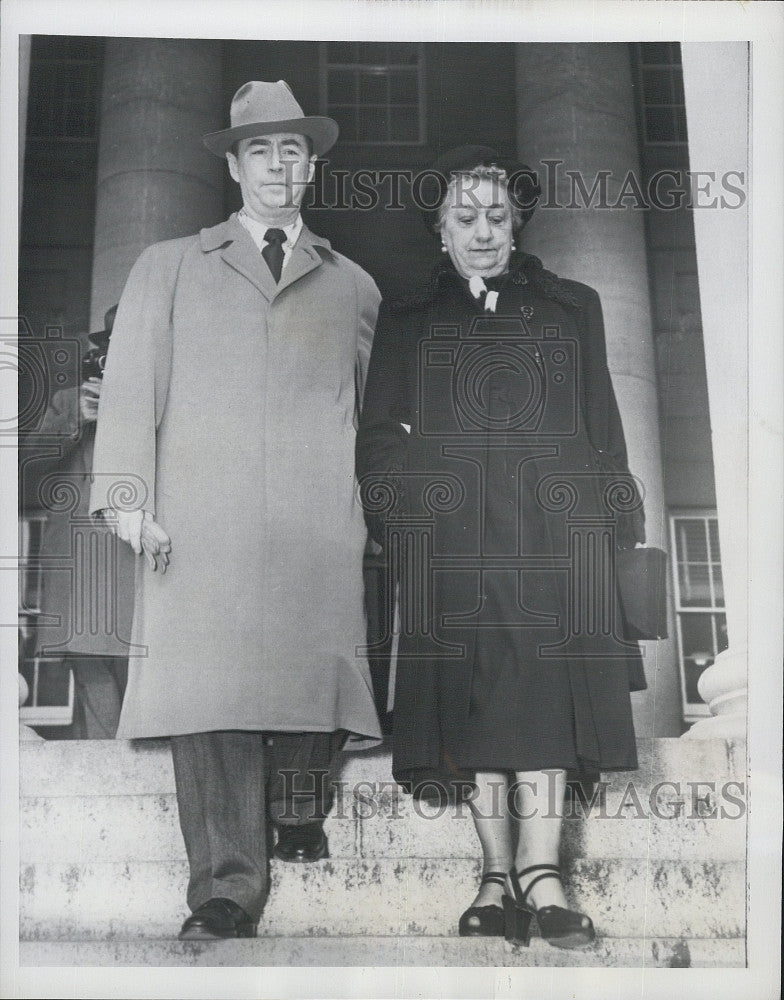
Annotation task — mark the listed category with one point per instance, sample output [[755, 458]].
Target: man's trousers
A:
[[230, 785]]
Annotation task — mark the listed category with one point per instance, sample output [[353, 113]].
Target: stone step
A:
[[104, 828], [397, 952], [123, 767], [335, 898]]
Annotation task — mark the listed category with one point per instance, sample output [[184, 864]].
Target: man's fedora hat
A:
[[260, 108], [101, 337]]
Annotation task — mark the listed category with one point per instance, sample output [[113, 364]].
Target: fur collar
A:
[[524, 269]]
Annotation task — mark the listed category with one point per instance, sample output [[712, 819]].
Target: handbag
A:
[[642, 592]]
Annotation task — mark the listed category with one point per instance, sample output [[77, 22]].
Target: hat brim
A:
[[323, 133], [100, 338]]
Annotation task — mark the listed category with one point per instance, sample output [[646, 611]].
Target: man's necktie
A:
[[273, 251]]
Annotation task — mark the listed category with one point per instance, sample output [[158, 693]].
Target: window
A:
[[375, 91], [50, 683], [660, 78], [64, 88], [699, 602]]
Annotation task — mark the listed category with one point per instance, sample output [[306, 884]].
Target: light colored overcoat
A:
[[228, 411]]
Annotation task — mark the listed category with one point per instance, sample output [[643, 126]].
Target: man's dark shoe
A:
[[301, 844], [217, 918]]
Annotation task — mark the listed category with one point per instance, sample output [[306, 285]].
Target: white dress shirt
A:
[[258, 229]]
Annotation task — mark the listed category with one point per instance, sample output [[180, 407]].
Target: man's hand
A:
[[156, 543], [89, 393], [143, 533]]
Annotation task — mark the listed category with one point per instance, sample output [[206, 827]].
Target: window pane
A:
[[372, 125], [341, 86], [718, 585], [405, 124], [372, 88], [691, 673], [694, 579], [346, 119], [404, 87], [697, 635], [691, 540], [713, 535], [375, 96], [721, 633]]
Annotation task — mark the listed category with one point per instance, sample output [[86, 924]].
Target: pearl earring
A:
[[514, 246], [443, 248]]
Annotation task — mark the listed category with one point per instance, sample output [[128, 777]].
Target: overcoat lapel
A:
[[237, 248], [305, 257], [239, 251]]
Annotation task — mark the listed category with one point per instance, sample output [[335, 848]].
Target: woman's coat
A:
[[493, 466], [228, 411]]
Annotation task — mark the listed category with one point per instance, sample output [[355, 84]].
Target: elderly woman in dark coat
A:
[[493, 469]]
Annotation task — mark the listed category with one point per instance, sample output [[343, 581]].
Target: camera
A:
[[498, 377], [93, 363], [46, 365]]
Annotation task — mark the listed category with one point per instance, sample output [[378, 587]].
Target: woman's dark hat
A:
[[260, 108], [101, 337], [523, 185]]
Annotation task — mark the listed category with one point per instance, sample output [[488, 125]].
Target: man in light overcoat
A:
[[225, 453]]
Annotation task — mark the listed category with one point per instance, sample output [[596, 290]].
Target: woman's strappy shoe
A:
[[484, 921], [558, 926]]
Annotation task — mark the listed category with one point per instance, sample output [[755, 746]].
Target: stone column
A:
[[715, 75], [575, 103], [155, 180]]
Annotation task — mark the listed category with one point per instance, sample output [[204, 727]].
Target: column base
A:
[[724, 686]]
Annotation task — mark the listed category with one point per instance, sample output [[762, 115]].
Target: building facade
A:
[[114, 162]]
